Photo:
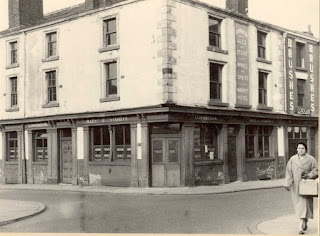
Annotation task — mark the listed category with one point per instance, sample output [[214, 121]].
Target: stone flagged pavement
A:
[[11, 211]]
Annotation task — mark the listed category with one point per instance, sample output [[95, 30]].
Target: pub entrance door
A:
[[65, 156], [165, 161], [232, 153]]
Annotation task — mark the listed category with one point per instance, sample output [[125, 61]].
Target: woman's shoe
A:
[[301, 232]]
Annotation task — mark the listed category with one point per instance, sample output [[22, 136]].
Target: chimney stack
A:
[[238, 6], [24, 12], [94, 4]]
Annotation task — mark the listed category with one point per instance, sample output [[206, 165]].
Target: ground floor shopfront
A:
[[158, 147]]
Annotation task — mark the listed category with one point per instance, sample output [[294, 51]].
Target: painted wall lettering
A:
[[242, 65]]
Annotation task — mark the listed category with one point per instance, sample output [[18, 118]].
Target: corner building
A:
[[152, 93]]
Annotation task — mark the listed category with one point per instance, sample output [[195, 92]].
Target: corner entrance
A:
[[65, 156], [165, 161]]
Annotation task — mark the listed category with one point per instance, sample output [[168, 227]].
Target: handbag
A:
[[308, 187]]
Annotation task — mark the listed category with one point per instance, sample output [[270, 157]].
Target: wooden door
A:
[[66, 161], [165, 162]]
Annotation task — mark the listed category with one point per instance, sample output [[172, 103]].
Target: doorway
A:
[[65, 156], [165, 161]]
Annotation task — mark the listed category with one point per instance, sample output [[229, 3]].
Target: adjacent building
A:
[[152, 93]]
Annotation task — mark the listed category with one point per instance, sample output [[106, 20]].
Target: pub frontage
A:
[[164, 146]]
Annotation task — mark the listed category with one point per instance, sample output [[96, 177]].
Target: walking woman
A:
[[301, 166]]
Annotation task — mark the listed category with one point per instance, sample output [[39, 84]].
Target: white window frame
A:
[[8, 43], [103, 46], [46, 56], [45, 100], [304, 52], [223, 41], [10, 108], [103, 87]]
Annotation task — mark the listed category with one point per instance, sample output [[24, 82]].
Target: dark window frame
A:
[[208, 136], [108, 33], [215, 34], [215, 85], [300, 54], [297, 135], [301, 92], [255, 133], [263, 86], [43, 148], [14, 91], [14, 139], [108, 149], [261, 45]]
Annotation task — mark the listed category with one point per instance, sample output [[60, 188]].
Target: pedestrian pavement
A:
[[11, 211]]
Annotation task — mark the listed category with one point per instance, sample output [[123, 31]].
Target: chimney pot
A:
[[238, 6]]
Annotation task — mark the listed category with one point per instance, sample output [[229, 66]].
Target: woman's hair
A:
[[305, 145]]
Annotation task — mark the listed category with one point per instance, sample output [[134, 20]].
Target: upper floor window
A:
[[110, 32], [263, 88], [12, 146], [14, 92], [301, 91], [51, 44], [215, 81], [52, 87], [214, 32], [300, 55], [111, 79], [13, 52], [262, 44]]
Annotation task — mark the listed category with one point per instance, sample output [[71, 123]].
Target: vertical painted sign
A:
[[242, 64], [313, 70], [290, 75]]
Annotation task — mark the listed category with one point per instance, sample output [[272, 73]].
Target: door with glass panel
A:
[[165, 162]]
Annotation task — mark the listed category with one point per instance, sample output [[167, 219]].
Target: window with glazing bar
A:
[[41, 145], [14, 52], [110, 32], [111, 79], [262, 44], [215, 81], [301, 91], [263, 88], [52, 89], [52, 44], [12, 146], [214, 32], [14, 91]]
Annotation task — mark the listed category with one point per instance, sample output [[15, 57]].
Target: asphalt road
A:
[[114, 213]]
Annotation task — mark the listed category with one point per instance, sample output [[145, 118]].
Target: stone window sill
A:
[[51, 104], [259, 59], [217, 103], [109, 48], [243, 106], [11, 162], [216, 49], [12, 109], [53, 58], [126, 162], [265, 108], [12, 66], [109, 99]]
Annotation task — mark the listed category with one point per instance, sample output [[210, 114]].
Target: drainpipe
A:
[[24, 107]]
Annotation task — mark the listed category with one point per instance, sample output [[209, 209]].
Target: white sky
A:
[[291, 14]]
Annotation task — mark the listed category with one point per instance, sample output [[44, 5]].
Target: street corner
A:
[[285, 225], [12, 211]]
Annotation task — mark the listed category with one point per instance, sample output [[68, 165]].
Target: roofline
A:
[[193, 2]]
